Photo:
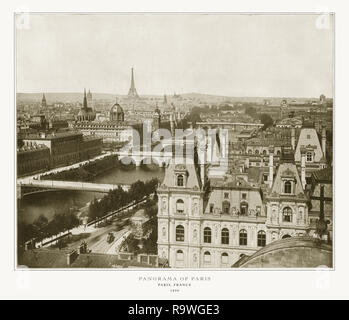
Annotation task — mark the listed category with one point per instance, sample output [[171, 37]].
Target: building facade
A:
[[86, 113], [31, 159], [64, 148], [213, 225]]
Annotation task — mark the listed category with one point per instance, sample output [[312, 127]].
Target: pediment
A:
[[287, 173]]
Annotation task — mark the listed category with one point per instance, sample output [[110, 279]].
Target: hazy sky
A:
[[232, 55]]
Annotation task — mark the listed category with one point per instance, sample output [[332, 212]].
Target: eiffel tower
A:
[[132, 93]]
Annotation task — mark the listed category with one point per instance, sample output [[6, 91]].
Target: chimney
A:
[[323, 138], [293, 138], [202, 174], [303, 152], [172, 125], [247, 163], [271, 166], [202, 161]]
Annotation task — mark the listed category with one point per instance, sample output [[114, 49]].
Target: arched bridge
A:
[[162, 159]]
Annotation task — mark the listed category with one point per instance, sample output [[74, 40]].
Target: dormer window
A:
[[265, 178], [288, 187], [180, 180], [226, 207], [309, 156], [243, 208]]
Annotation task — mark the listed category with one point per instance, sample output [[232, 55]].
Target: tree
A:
[[251, 111], [40, 222], [266, 120]]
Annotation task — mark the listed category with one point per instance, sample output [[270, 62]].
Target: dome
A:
[[116, 113], [116, 108]]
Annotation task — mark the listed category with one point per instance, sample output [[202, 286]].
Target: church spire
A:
[[85, 100], [43, 102]]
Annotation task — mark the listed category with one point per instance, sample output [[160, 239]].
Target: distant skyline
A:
[[227, 55]]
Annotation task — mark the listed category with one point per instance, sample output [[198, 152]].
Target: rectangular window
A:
[[244, 196], [258, 210], [226, 195], [211, 207], [309, 157], [243, 209]]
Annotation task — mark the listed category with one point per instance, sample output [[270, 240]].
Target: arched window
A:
[[278, 152], [180, 180], [264, 152], [225, 258], [250, 151], [287, 214], [179, 233], [207, 257], [207, 235], [243, 238], [261, 239], [286, 236], [180, 206], [225, 236], [226, 207], [256, 152], [180, 255], [287, 187]]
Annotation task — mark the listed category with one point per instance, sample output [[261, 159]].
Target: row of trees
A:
[[43, 228], [85, 172], [265, 119], [119, 198]]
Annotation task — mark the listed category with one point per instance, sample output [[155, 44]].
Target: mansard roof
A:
[[308, 138], [230, 182], [323, 176], [193, 180]]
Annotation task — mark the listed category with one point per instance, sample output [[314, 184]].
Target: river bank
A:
[[48, 203], [86, 172]]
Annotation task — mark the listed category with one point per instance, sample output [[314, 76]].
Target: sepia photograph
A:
[[174, 141]]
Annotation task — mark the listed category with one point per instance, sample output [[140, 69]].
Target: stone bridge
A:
[[162, 159]]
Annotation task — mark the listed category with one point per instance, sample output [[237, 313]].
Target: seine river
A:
[[47, 203]]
